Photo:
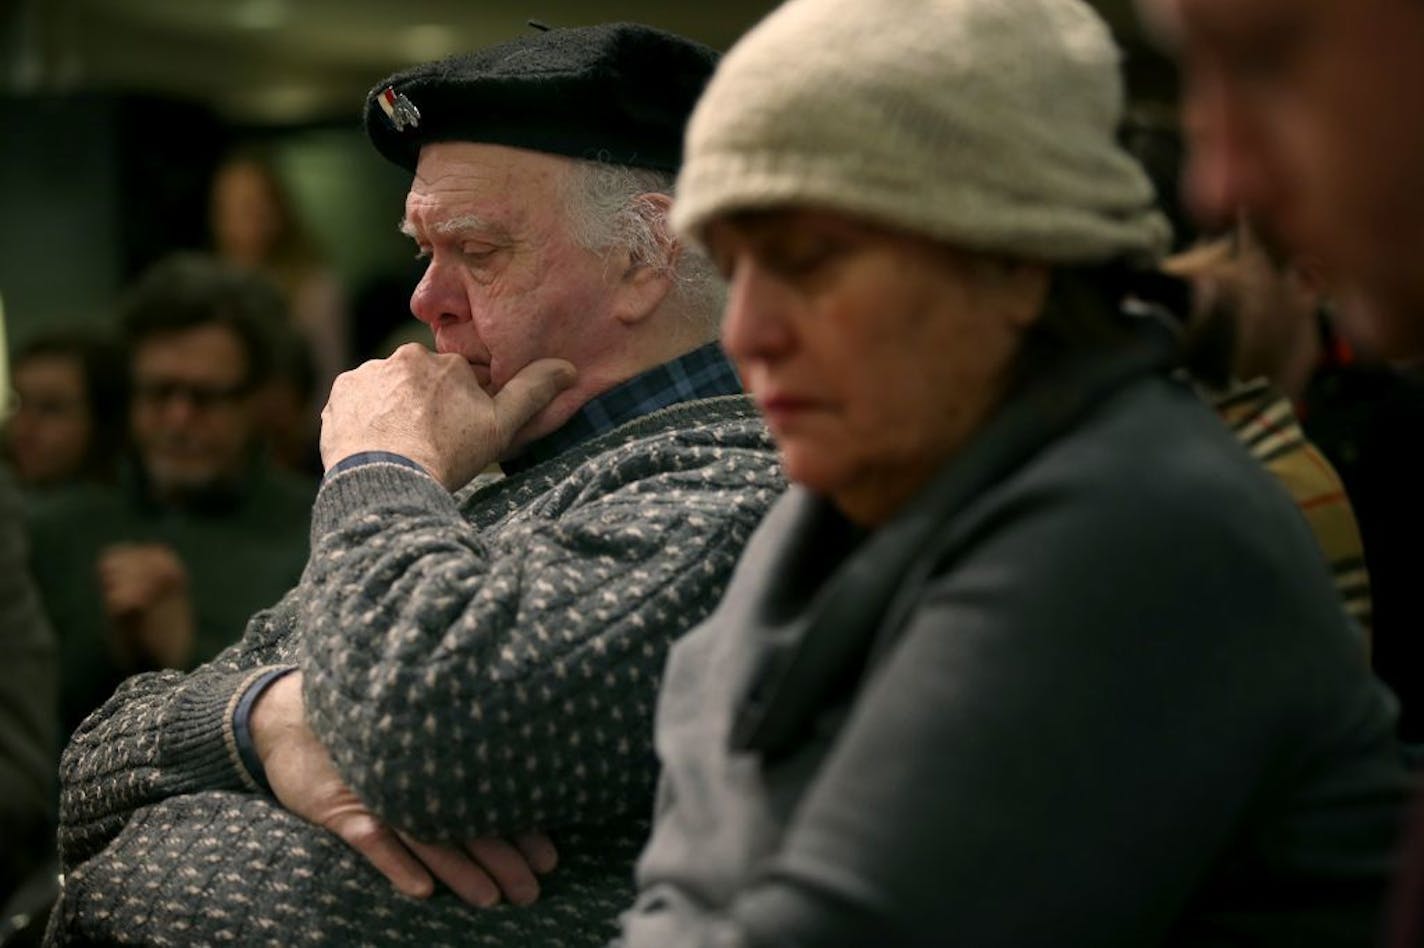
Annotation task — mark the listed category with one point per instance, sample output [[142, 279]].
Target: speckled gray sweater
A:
[[478, 664]]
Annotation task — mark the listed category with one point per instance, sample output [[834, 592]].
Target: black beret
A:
[[619, 93]]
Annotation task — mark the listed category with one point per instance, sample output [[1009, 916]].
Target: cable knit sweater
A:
[[477, 664]]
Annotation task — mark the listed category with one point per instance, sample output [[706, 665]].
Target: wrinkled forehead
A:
[[458, 183]]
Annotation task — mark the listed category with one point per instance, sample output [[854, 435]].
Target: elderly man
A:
[[1306, 116], [458, 670]]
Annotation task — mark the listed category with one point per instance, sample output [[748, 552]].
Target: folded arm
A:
[[164, 734], [473, 682]]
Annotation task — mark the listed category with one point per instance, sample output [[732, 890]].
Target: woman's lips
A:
[[783, 407]]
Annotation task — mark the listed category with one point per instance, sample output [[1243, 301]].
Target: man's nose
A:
[[439, 297], [1229, 171], [178, 409]]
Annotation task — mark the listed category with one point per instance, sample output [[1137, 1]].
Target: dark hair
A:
[[294, 248], [1085, 308], [1155, 140], [105, 376], [190, 290]]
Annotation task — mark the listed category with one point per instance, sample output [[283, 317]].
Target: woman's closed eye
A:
[[802, 258]]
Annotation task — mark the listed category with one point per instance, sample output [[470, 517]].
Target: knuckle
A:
[[361, 832]]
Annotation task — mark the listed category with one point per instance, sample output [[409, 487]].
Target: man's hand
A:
[[145, 591], [306, 782], [431, 409]]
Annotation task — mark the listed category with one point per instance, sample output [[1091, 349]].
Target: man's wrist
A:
[[242, 726]]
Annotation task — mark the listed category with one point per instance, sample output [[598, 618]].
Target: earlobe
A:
[[642, 289], [647, 277]]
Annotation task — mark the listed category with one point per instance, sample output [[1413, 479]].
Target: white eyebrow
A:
[[455, 226]]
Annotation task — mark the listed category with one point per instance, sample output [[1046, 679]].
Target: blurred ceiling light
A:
[[280, 104], [261, 14], [429, 41]]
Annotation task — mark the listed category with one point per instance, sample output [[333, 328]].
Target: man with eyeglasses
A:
[[145, 575]]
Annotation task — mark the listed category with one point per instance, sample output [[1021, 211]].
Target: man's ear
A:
[[647, 271]]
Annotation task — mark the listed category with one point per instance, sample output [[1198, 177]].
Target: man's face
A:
[[506, 283], [50, 431], [1305, 114], [193, 414], [1263, 307]]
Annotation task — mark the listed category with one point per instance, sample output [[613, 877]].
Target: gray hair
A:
[[605, 211]]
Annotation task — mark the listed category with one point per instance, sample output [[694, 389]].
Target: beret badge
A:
[[399, 109]]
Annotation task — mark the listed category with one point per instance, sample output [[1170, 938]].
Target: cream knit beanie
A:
[[988, 124]]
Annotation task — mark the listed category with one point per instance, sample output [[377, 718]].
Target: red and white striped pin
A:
[[399, 109]]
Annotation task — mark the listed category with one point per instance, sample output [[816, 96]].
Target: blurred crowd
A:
[[167, 456]]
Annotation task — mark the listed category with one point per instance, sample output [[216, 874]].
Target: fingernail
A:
[[418, 888]]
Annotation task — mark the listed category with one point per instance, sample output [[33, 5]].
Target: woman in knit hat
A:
[[1033, 653]]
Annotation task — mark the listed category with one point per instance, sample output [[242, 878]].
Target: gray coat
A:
[[1093, 687]]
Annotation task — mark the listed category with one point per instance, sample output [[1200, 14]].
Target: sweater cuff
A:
[[374, 457], [199, 742], [376, 486]]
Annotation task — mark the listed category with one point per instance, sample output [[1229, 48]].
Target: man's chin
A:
[[546, 422], [170, 478]]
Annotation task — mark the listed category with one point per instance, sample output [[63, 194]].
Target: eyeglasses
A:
[[44, 406], [154, 394]]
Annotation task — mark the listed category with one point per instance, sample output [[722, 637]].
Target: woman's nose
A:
[[756, 324]]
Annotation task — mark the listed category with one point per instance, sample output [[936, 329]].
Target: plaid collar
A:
[[702, 373]]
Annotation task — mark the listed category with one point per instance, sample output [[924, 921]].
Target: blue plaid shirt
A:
[[701, 373]]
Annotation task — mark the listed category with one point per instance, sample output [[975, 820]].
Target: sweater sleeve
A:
[[1074, 729], [163, 734], [473, 682]]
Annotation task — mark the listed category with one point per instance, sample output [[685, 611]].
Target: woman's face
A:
[[873, 354], [246, 218]]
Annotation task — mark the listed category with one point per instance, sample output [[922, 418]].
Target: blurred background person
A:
[[27, 721], [290, 414], [1249, 310], [255, 225], [1271, 315], [165, 569], [1306, 116], [1033, 652], [69, 422]]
